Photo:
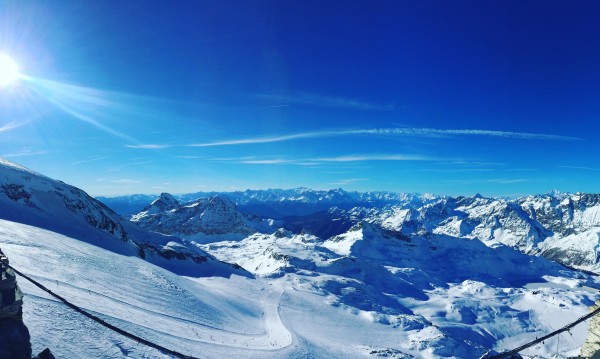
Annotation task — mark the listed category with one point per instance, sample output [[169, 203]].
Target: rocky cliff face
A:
[[30, 197], [215, 217], [164, 202], [561, 227]]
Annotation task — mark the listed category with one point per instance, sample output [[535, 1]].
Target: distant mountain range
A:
[[559, 226], [421, 275], [274, 203], [203, 220]]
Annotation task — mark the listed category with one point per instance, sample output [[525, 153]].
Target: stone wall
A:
[[591, 347]]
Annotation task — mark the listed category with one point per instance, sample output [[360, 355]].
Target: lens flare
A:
[[9, 70]]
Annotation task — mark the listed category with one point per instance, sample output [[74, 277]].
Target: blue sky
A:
[[446, 97]]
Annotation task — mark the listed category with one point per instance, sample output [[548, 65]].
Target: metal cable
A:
[[103, 322], [550, 335]]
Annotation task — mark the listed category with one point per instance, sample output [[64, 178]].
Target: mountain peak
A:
[[164, 202], [204, 219], [557, 194], [220, 198]]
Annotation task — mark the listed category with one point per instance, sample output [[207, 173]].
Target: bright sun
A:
[[9, 70]]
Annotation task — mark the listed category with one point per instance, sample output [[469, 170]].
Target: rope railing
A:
[[547, 336], [148, 343], [103, 322]]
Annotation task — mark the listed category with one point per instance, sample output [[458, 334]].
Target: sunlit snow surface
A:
[[308, 301]]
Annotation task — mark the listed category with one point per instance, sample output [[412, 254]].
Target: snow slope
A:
[[206, 317], [444, 296], [31, 198], [291, 316], [429, 278]]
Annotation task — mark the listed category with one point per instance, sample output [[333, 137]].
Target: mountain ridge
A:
[[34, 199], [424, 277], [560, 226]]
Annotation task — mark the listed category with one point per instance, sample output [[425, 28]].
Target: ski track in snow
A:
[[292, 316], [268, 333]]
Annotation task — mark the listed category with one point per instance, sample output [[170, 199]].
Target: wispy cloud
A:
[[253, 160], [360, 158], [237, 159], [274, 106], [396, 131], [12, 125], [348, 181], [411, 131], [491, 181], [267, 162], [191, 157], [523, 169], [583, 168], [127, 181], [457, 170], [327, 101], [87, 161], [24, 153], [321, 160], [472, 163], [132, 163], [268, 139], [148, 146], [509, 181]]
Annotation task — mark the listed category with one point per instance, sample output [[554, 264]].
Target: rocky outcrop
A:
[[14, 339], [164, 202], [591, 347], [213, 216], [14, 335], [11, 297], [561, 227]]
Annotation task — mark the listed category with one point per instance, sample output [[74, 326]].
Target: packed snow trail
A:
[[207, 316], [219, 317], [102, 322], [275, 335]]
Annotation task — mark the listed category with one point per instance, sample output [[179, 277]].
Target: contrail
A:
[[394, 131]]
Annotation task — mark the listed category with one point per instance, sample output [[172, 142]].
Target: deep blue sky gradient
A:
[[115, 92]]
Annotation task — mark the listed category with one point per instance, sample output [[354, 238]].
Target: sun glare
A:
[[9, 70]]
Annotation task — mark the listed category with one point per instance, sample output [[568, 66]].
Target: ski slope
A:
[[299, 314], [202, 317]]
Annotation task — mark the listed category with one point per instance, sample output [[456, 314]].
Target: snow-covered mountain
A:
[[562, 227], [440, 293], [31, 198], [276, 203], [212, 218], [415, 277]]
